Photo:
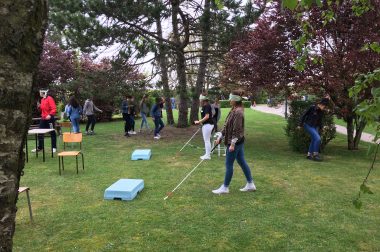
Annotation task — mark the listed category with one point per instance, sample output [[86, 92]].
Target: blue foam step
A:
[[124, 189], [141, 154]]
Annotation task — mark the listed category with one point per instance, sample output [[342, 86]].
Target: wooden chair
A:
[[70, 138], [62, 125], [26, 190]]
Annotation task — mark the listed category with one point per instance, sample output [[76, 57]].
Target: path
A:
[[281, 111]]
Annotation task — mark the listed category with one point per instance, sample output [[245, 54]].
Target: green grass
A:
[[300, 205], [368, 128]]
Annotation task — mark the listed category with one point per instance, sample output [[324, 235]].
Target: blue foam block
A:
[[124, 189], [141, 154]]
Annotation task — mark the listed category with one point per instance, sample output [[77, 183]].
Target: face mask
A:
[[236, 98]]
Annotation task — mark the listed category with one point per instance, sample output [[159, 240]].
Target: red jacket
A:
[[47, 107]]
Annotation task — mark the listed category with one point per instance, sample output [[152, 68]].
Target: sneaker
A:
[[317, 158], [222, 189], [133, 132], [309, 157], [92, 132], [54, 150], [36, 150], [156, 137], [87, 133], [205, 157], [249, 187]]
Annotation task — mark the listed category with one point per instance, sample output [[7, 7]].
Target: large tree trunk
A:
[[22, 27], [180, 65], [164, 70], [359, 127], [205, 25], [350, 132]]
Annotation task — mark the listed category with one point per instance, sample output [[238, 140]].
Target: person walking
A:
[[156, 114], [89, 109], [144, 111], [207, 123], [127, 121], [233, 134], [74, 112], [311, 121], [48, 110], [131, 114], [218, 113]]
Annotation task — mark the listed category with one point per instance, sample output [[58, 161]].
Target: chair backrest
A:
[[65, 124], [72, 138]]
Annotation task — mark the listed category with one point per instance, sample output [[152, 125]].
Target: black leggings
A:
[[45, 124], [91, 120]]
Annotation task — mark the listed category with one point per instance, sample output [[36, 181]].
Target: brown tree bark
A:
[[205, 25], [355, 127], [180, 61], [162, 58], [22, 29]]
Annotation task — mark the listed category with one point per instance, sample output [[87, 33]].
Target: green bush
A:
[[299, 140], [226, 104]]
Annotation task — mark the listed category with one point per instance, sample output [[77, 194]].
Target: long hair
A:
[[74, 102]]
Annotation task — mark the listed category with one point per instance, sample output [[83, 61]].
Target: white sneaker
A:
[[205, 157], [156, 137], [36, 150], [249, 187], [54, 150], [222, 189], [133, 133]]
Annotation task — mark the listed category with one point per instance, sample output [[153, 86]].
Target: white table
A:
[[37, 132]]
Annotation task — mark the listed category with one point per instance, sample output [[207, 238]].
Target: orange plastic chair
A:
[[70, 138]]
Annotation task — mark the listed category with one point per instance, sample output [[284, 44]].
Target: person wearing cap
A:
[[311, 121], [207, 123], [233, 134], [48, 110]]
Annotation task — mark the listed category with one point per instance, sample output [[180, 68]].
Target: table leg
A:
[[30, 206], [51, 143], [36, 145], [43, 147]]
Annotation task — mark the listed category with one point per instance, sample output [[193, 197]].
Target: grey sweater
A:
[[89, 107]]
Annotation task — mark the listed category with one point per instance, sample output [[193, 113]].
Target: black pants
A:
[[45, 124], [127, 124], [91, 120]]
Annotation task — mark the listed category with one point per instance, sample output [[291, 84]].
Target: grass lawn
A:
[[300, 205]]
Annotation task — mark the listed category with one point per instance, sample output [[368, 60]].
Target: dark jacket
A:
[[312, 117]]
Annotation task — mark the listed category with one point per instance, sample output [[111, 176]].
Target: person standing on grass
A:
[[233, 134], [131, 114], [156, 114], [124, 111], [144, 111], [48, 110], [218, 113], [207, 123], [89, 109], [74, 112], [311, 121]]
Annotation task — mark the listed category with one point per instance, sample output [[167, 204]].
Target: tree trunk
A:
[[164, 70], [205, 25], [350, 132], [22, 28], [360, 125], [180, 67]]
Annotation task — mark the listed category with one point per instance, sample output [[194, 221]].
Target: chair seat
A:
[[68, 153]]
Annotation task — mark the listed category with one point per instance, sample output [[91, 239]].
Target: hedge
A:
[[226, 104]]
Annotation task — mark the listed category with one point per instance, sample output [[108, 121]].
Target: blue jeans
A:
[[159, 125], [237, 154], [75, 124], [144, 121], [315, 138]]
